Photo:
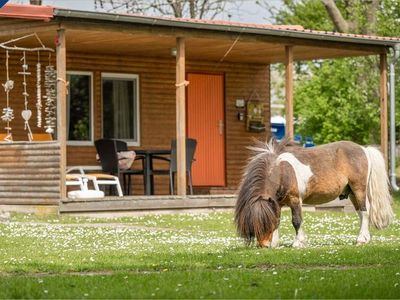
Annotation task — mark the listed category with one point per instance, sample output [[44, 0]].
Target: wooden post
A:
[[62, 107], [384, 106], [180, 116], [289, 91]]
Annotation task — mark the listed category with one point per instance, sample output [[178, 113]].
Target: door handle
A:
[[221, 127]]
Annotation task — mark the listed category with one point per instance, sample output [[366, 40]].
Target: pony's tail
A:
[[378, 194], [256, 219]]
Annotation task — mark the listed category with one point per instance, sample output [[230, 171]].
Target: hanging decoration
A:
[[50, 83], [8, 112], [26, 113], [38, 93]]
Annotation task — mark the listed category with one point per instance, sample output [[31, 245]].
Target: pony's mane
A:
[[250, 205], [262, 160], [272, 146]]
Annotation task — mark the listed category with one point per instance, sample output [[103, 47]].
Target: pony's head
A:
[[257, 211]]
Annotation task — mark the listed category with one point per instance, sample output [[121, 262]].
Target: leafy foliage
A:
[[339, 99], [308, 13], [333, 103]]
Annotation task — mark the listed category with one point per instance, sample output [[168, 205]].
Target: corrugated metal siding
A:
[[205, 115]]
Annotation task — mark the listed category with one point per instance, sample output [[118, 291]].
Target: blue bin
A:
[[278, 127], [309, 142]]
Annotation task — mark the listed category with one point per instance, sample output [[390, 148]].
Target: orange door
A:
[[205, 123]]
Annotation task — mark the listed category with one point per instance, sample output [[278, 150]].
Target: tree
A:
[[332, 103], [360, 16], [178, 8], [339, 99]]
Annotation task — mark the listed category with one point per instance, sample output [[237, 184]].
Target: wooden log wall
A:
[[30, 173], [157, 105]]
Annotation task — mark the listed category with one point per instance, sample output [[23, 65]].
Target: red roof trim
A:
[[291, 28], [230, 23], [295, 28], [31, 12]]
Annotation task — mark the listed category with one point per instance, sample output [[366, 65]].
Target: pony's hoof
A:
[[361, 242], [364, 239], [274, 244], [299, 244]]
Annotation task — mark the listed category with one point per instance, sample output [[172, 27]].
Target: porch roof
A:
[[123, 34]]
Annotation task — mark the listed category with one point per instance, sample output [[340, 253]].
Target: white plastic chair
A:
[[76, 180], [96, 178]]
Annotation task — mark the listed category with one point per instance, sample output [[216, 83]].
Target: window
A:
[[121, 107], [79, 108]]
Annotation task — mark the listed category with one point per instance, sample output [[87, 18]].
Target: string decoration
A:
[[38, 93], [50, 83], [8, 113], [26, 113]]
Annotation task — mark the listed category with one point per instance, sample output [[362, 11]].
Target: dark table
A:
[[148, 165]]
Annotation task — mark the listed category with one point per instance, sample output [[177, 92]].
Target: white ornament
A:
[[50, 83], [8, 114], [38, 95], [8, 86], [26, 114]]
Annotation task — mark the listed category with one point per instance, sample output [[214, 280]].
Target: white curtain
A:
[[122, 120]]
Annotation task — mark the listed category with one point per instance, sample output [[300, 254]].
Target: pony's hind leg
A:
[[359, 200], [297, 220]]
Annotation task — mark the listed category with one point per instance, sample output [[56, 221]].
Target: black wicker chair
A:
[[107, 150], [191, 145]]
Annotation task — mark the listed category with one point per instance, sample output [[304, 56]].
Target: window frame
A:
[[117, 76], [91, 99]]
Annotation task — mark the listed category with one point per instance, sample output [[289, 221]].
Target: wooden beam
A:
[[163, 31], [180, 116], [289, 91], [26, 28], [62, 107], [384, 106]]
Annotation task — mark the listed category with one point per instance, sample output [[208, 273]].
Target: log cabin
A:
[[174, 78]]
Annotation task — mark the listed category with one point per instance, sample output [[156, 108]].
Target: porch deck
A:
[[136, 205]]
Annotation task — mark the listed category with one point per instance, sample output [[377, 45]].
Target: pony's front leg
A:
[[297, 220], [275, 239]]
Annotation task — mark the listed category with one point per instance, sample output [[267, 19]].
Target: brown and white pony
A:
[[285, 174]]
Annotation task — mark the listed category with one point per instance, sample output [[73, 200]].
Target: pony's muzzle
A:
[[265, 242]]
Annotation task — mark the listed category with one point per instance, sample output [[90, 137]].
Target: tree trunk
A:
[[371, 8], [340, 23], [192, 9]]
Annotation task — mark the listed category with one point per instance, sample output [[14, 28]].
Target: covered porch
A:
[[161, 55]]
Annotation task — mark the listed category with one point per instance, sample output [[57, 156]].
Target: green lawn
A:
[[193, 256]]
